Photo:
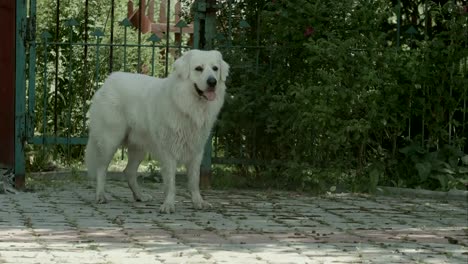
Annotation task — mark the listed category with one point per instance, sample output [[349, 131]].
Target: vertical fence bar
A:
[[57, 50], [122, 149], [410, 112], [98, 34], [85, 61], [141, 13], [257, 55], [111, 48], [181, 24], [70, 23], [450, 111], [196, 24], [32, 68], [423, 115], [216, 143], [452, 83], [230, 24], [180, 42], [154, 38], [207, 38], [465, 93], [426, 21], [398, 23], [168, 21], [45, 38], [20, 95], [152, 58], [125, 23], [210, 24]]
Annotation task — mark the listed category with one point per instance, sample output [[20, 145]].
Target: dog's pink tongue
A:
[[210, 95]]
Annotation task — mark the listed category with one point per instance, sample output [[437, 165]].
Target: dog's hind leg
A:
[[99, 153], [135, 156], [93, 165]]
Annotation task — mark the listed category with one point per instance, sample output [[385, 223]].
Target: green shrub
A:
[[330, 91]]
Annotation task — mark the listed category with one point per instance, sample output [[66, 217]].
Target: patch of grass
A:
[[318, 181], [93, 247], [209, 228], [35, 182], [28, 222]]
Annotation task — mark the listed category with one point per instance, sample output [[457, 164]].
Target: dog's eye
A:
[[199, 68], [215, 68]]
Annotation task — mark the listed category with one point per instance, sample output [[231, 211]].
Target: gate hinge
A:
[[29, 127], [206, 6], [30, 29], [200, 6]]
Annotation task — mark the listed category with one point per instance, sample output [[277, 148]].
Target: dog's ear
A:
[[182, 66], [224, 70], [224, 67]]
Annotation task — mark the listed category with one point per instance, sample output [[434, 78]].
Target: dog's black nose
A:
[[211, 82]]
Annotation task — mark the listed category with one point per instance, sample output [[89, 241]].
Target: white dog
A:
[[171, 118]]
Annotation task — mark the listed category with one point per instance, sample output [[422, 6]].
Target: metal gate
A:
[[65, 49]]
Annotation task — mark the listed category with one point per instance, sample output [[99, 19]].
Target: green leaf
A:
[[465, 159], [446, 170], [424, 169], [443, 180], [374, 176]]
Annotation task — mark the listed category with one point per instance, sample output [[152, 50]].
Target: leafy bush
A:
[[444, 169], [322, 95], [325, 88]]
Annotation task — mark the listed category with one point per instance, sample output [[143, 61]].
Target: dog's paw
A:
[[202, 205], [142, 197], [167, 208], [199, 203], [101, 198]]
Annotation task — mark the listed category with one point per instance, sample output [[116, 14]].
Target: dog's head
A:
[[205, 69]]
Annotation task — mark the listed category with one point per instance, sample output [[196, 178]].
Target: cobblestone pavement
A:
[[62, 224]]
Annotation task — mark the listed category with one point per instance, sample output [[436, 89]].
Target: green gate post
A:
[[204, 34], [20, 94]]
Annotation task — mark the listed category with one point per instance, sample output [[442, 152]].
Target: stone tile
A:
[[65, 226]]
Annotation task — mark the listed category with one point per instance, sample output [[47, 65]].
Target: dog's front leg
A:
[[168, 171], [193, 173]]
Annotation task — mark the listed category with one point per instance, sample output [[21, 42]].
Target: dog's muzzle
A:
[[209, 93]]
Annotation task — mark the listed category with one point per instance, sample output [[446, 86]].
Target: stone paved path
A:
[[61, 224]]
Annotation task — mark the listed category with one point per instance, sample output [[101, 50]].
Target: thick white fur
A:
[[166, 117]]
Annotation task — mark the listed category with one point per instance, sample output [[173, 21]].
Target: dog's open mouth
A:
[[209, 94]]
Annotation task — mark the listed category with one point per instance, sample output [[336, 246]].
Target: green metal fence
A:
[[61, 63], [44, 46], [51, 107]]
